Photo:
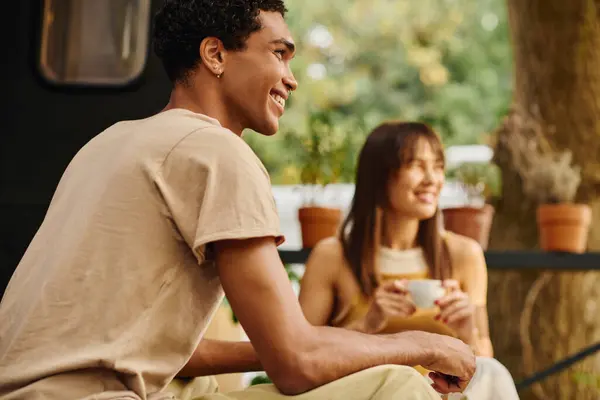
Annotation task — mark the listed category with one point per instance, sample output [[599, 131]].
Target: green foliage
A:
[[322, 150], [443, 62], [482, 181], [260, 379]]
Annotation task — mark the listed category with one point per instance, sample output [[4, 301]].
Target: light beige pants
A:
[[379, 383], [492, 381]]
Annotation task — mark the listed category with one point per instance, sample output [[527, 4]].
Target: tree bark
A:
[[556, 46]]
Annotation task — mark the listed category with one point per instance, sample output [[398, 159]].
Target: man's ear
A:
[[212, 53]]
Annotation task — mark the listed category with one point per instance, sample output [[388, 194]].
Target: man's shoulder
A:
[[181, 133], [180, 123], [216, 145], [173, 123]]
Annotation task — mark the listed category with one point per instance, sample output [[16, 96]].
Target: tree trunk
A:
[[557, 77]]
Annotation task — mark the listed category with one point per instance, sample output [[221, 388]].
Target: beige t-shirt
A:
[[117, 287]]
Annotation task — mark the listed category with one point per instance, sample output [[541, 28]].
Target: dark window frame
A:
[[127, 84]]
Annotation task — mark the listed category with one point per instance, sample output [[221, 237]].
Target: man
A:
[[153, 218]]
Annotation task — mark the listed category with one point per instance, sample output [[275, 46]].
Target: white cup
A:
[[425, 292]]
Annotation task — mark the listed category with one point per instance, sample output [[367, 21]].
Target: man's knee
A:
[[394, 371], [400, 375], [404, 371], [407, 383]]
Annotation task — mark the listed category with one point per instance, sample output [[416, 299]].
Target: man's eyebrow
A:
[[290, 46]]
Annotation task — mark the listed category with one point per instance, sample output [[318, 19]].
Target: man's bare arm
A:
[[298, 356], [214, 357]]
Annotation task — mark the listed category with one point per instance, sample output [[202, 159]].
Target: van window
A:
[[97, 42]]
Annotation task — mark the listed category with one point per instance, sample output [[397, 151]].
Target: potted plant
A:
[[481, 182], [552, 181], [324, 155]]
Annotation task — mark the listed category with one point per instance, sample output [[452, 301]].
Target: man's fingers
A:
[[438, 389], [446, 384], [440, 385]]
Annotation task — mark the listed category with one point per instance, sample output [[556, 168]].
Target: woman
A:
[[393, 234]]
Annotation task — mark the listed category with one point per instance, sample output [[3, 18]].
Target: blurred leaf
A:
[[481, 181], [260, 379]]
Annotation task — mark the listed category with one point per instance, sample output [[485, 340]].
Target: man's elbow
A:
[[294, 375], [292, 386]]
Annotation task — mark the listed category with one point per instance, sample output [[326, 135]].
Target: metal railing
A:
[[503, 260], [517, 260]]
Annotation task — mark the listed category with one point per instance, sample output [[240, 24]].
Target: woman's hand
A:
[[457, 311], [390, 300]]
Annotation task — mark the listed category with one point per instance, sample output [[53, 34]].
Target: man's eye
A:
[[280, 53]]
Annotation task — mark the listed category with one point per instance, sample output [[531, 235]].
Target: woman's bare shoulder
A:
[[327, 257], [331, 247], [462, 248], [468, 265]]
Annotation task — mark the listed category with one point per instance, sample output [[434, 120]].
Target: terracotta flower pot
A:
[[564, 227], [473, 222], [318, 223]]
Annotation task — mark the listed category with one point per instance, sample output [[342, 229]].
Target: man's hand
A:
[[453, 362]]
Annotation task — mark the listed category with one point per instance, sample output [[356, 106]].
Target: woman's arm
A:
[[483, 344], [471, 271], [317, 291]]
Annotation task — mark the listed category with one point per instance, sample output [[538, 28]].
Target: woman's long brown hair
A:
[[387, 148]]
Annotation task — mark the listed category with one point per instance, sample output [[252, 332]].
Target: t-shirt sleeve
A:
[[215, 188]]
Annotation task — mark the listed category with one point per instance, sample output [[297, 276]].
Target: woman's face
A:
[[414, 189]]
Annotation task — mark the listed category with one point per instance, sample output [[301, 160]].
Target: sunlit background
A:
[[515, 100], [444, 62]]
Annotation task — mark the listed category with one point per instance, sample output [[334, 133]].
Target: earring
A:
[[219, 75]]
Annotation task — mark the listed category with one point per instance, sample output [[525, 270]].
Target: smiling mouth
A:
[[278, 99], [426, 197]]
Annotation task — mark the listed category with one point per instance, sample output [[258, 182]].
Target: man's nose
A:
[[290, 81]]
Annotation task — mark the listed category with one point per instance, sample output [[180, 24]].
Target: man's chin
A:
[[267, 129]]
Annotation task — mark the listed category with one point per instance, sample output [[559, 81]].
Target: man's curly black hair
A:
[[181, 25]]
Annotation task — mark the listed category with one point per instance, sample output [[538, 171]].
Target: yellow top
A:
[[398, 264]]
